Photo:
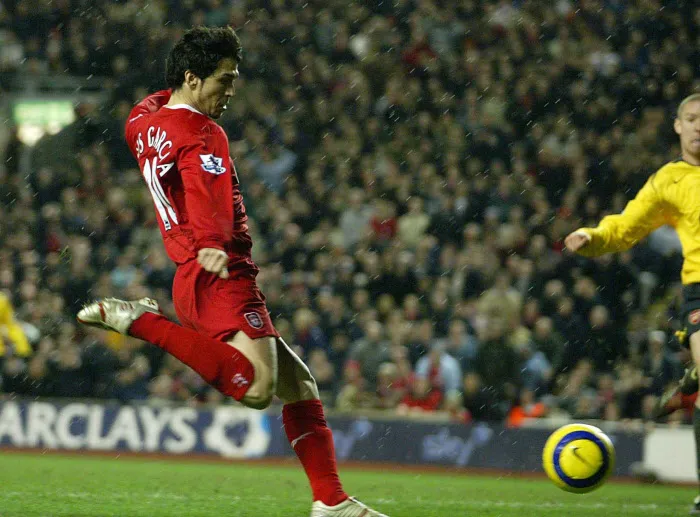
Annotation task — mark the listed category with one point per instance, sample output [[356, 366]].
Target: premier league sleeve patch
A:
[[212, 164]]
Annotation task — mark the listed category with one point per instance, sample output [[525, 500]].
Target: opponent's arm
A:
[[205, 176], [615, 233]]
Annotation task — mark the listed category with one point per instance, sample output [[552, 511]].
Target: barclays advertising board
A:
[[236, 432], [480, 445], [231, 432]]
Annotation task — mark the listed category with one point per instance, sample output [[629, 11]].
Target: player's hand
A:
[[576, 240], [213, 261]]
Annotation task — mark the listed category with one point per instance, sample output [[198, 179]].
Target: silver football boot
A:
[[116, 315]]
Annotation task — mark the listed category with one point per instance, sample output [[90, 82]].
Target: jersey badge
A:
[[254, 320]]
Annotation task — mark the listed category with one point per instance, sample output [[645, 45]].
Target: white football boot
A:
[[351, 507], [116, 315], [695, 510]]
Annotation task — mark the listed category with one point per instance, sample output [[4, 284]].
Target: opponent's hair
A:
[[199, 50], [689, 98]]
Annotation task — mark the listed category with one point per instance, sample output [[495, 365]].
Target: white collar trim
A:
[[183, 106]]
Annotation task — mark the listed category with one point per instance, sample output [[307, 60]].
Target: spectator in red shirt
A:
[[384, 223], [419, 55], [422, 397], [528, 408], [390, 388]]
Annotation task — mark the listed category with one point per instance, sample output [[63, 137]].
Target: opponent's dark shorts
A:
[[218, 307], [690, 314]]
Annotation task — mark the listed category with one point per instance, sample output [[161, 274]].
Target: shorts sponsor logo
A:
[[694, 317], [254, 320]]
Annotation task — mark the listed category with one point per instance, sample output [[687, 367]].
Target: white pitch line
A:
[[649, 507]]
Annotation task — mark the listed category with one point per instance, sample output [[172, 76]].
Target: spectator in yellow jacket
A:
[[11, 333]]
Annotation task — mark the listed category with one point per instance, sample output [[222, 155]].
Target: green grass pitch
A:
[[52, 485]]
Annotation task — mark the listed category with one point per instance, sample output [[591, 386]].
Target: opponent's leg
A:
[[672, 399], [219, 364], [308, 433], [695, 351]]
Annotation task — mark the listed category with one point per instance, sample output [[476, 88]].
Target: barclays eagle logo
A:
[[238, 433]]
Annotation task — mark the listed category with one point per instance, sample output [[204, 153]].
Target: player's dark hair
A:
[[200, 50]]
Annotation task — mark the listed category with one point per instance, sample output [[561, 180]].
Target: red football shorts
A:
[[218, 307]]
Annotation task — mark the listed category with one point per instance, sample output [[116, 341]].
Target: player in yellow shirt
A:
[[670, 196]]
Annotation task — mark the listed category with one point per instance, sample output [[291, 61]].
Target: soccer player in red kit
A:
[[226, 333]]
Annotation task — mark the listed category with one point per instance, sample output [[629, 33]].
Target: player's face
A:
[[688, 128], [218, 88]]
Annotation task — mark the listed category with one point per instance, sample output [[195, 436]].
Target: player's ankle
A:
[[333, 499], [140, 326]]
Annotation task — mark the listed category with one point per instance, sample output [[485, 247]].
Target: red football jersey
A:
[[184, 158]]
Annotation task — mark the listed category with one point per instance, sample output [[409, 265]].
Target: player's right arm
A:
[[203, 166], [616, 233]]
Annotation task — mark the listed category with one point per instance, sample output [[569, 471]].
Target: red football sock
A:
[[220, 364], [312, 441]]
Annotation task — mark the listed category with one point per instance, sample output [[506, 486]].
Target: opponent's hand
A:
[[213, 261], [576, 240]]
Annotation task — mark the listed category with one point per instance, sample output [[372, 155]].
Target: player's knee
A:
[[259, 397], [260, 393], [256, 401], [694, 338], [694, 345]]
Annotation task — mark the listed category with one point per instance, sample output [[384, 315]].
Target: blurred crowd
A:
[[410, 169]]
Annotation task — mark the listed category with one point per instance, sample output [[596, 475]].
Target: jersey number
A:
[[165, 209]]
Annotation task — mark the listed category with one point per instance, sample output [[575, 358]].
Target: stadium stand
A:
[[410, 169]]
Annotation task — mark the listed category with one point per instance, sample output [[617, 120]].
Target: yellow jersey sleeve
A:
[[642, 215], [11, 330]]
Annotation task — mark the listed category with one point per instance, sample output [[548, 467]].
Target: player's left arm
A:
[[615, 233], [204, 166]]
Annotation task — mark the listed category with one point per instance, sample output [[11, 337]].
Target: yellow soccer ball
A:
[[578, 458]]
